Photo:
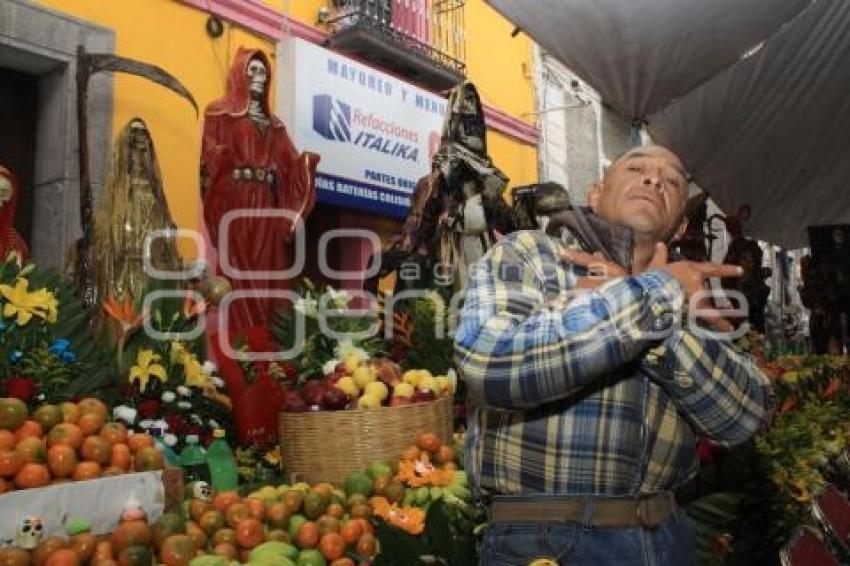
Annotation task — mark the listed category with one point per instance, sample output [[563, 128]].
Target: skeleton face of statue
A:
[[29, 533], [258, 76], [202, 491], [5, 190], [471, 124]]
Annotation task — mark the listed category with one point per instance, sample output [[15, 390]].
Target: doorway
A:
[[19, 116]]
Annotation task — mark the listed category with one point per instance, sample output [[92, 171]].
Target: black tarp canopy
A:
[[754, 95]]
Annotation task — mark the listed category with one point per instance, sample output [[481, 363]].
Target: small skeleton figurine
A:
[[29, 533], [202, 490], [257, 75]]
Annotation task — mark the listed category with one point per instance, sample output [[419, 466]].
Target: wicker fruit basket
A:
[[328, 446]]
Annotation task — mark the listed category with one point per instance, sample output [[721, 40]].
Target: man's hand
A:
[[599, 270], [693, 277]]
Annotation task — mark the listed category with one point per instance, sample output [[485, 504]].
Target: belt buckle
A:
[[642, 514]]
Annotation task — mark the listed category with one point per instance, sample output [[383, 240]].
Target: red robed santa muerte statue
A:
[[249, 162], [10, 240]]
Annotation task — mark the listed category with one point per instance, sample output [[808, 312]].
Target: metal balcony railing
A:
[[431, 30]]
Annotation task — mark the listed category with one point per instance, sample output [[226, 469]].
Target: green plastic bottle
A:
[[223, 472], [193, 460]]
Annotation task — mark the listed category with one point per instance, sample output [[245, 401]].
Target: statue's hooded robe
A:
[[244, 166], [10, 240]]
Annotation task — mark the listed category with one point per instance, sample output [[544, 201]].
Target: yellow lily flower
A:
[[146, 367], [195, 375], [23, 305]]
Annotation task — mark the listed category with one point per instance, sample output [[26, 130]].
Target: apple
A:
[[293, 403], [334, 400], [423, 395]]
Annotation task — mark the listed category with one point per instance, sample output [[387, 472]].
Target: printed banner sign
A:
[[376, 134]]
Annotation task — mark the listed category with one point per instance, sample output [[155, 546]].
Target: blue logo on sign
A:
[[331, 118]]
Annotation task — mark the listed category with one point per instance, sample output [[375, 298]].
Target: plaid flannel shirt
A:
[[597, 392]]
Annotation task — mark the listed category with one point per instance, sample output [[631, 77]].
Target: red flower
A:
[[290, 371], [148, 409], [21, 388], [176, 424]]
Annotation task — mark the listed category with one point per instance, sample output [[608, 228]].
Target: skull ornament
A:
[[202, 491], [257, 75], [29, 533]]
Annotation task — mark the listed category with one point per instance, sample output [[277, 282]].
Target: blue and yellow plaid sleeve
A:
[[720, 391], [516, 348]]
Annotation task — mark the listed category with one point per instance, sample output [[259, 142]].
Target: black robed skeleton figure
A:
[[457, 210]]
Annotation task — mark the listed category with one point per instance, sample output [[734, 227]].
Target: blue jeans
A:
[[576, 544]]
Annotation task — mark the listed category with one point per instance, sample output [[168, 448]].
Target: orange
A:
[[92, 405], [361, 511], [45, 548], [84, 544], [29, 428], [277, 515], [140, 440], [86, 471], [47, 416], [336, 510], [365, 525], [325, 489], [61, 460], [343, 562], [32, 475], [211, 521], [13, 412], [6, 486], [10, 462], [115, 433], [96, 449], [256, 507], [130, 533], [332, 546], [429, 442], [120, 457], [91, 423], [70, 412], [250, 533], [225, 549], [366, 546], [225, 499], [32, 450], [351, 531], [237, 513], [14, 557], [199, 537], [327, 524], [63, 557], [103, 550], [68, 434], [198, 508], [308, 535], [177, 550], [293, 500], [149, 458], [7, 439]]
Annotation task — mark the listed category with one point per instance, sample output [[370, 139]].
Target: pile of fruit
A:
[[68, 442], [356, 383]]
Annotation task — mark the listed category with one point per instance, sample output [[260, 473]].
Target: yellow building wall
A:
[[171, 35]]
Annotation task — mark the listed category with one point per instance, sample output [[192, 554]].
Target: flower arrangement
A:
[[47, 354], [167, 391]]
